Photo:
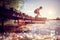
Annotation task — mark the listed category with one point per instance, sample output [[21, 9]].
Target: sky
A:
[[50, 10]]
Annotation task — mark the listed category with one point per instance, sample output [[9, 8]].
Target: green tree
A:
[[17, 4]]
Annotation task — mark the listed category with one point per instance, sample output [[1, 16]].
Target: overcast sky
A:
[[51, 8]]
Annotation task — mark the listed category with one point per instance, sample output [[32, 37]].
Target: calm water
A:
[[38, 31], [44, 29]]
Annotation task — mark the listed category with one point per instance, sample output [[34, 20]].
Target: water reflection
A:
[[47, 31]]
